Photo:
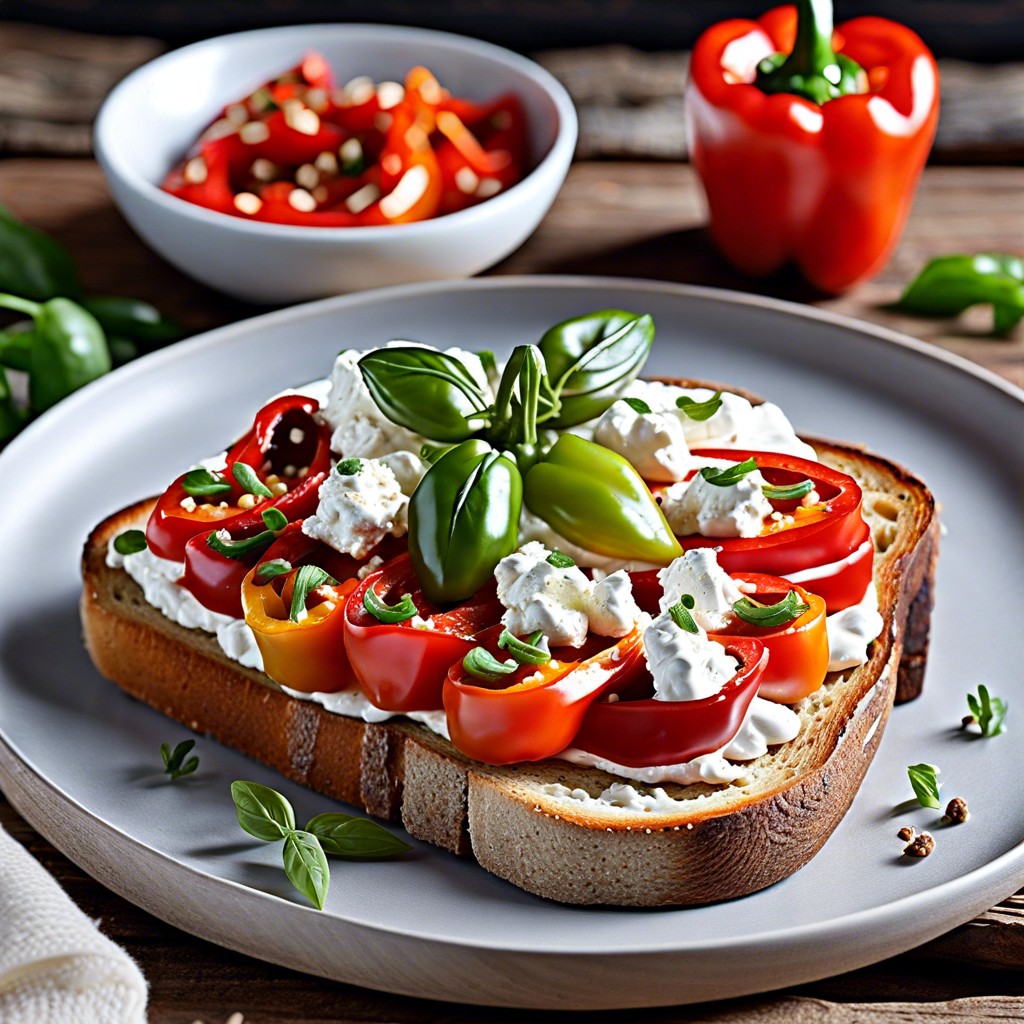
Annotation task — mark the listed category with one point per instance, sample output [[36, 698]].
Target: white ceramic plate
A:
[[79, 759]]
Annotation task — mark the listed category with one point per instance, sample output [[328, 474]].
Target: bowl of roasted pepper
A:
[[294, 163]]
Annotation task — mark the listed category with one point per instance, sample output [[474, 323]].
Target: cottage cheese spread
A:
[[735, 510], [654, 442], [698, 574]]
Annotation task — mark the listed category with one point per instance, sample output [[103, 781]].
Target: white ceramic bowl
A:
[[153, 116]]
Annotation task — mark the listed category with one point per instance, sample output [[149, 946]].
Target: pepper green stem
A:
[[813, 70], [21, 305]]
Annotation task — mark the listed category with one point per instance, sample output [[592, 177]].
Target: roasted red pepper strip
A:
[[827, 187], [797, 651], [538, 710], [268, 449], [399, 666], [647, 732]]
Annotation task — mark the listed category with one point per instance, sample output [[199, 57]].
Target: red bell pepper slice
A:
[[401, 667], [537, 711], [647, 732], [827, 187], [269, 450]]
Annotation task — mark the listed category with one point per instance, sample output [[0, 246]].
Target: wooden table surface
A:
[[619, 218]]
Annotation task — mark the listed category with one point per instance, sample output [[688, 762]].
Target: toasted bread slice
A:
[[537, 825]]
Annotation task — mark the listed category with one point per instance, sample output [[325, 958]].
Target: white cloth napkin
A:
[[55, 965]]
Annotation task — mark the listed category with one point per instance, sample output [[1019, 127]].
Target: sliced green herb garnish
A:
[[638, 405], [924, 779], [787, 492], [273, 519], [307, 579], [988, 711], [560, 560], [778, 614], [246, 478], [391, 613], [131, 542], [481, 664], [175, 764], [275, 567], [201, 483], [681, 616], [730, 475], [526, 652], [349, 467], [344, 835], [700, 410]]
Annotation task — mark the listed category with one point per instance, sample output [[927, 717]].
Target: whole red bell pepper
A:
[[809, 143]]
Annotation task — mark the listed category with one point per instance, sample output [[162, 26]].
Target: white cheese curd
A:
[[652, 442], [158, 578], [736, 510], [685, 665], [562, 603], [714, 591], [723, 428], [408, 468], [851, 630], [769, 430], [358, 510]]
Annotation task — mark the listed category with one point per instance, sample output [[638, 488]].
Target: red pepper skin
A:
[[399, 667], [827, 187], [170, 526], [537, 712], [644, 733]]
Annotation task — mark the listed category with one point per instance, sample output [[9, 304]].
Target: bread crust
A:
[[714, 843]]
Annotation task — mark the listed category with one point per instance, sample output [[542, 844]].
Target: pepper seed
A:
[[248, 202], [254, 132]]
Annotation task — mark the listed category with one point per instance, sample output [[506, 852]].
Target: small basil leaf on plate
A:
[[262, 811]]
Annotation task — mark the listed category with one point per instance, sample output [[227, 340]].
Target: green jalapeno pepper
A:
[[132, 319], [16, 347], [32, 264], [11, 417], [593, 497], [463, 519], [68, 349]]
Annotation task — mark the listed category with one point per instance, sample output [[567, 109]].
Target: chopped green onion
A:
[[349, 467], [988, 711], [201, 483], [923, 777], [681, 616], [560, 560], [526, 652], [390, 613], [638, 405], [246, 478], [273, 519], [787, 492], [757, 614], [131, 542], [307, 579], [730, 475], [275, 567], [481, 664], [700, 410]]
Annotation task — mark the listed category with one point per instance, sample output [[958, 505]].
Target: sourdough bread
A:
[[544, 826]]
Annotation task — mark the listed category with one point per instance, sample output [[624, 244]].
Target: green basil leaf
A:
[[426, 391], [349, 467], [525, 652], [389, 613], [638, 405], [307, 579], [262, 811], [592, 358], [246, 478], [173, 761], [560, 560], [201, 483], [186, 769], [306, 866], [923, 777], [275, 567], [481, 664], [787, 492], [700, 411], [342, 835], [32, 264], [130, 542], [771, 615], [730, 475], [681, 616]]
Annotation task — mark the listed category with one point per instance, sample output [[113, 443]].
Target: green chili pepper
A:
[[463, 519], [595, 498], [68, 350], [133, 319], [32, 264], [16, 347], [523, 393], [122, 350], [11, 417], [949, 284], [590, 359], [813, 70]]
